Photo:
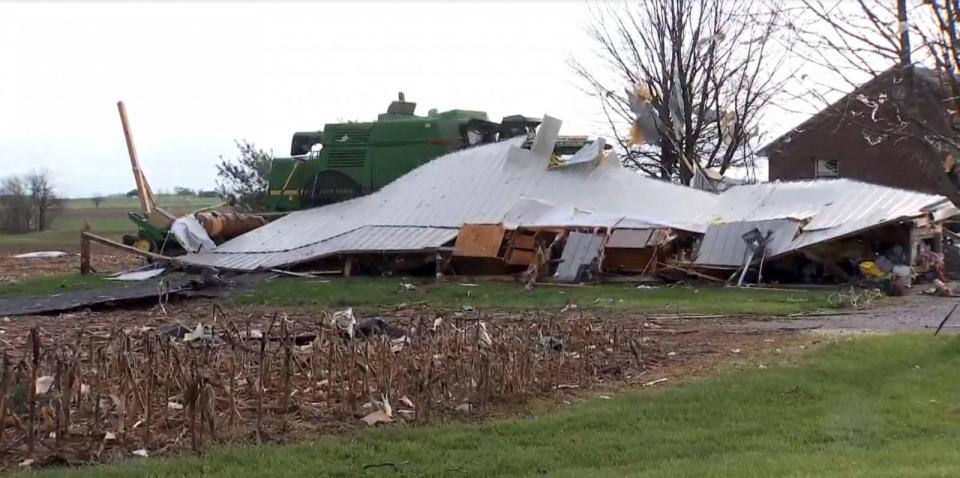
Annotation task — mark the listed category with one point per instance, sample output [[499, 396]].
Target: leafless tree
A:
[[44, 201], [97, 199], [16, 211], [914, 42], [691, 78]]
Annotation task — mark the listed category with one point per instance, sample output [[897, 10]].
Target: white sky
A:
[[196, 76]]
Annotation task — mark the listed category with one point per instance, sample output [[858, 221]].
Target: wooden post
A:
[[84, 254], [144, 194]]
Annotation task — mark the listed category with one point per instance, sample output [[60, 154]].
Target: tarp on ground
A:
[[501, 183]]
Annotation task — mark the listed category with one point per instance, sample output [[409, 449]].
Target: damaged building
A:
[[504, 209]]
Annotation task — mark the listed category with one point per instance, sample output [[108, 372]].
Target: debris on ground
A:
[[344, 320], [484, 361], [41, 255], [541, 230], [138, 275], [554, 344]]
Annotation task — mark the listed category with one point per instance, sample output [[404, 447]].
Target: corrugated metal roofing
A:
[[834, 207], [723, 244], [365, 239], [580, 250], [474, 186], [502, 183]]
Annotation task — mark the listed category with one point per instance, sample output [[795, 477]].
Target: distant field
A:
[[110, 220], [132, 203]]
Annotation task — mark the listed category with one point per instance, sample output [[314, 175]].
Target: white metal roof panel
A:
[[502, 183], [474, 186]]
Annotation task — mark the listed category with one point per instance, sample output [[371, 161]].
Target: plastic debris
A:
[[377, 326], [174, 406], [26, 463], [485, 339], [376, 417], [870, 269], [44, 384], [397, 344], [141, 453], [109, 436], [196, 334], [138, 275], [344, 320], [569, 307], [41, 255], [552, 343]]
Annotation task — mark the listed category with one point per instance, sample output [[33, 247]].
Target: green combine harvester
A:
[[343, 161], [347, 160]]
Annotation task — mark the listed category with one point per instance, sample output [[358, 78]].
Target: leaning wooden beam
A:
[[86, 237], [690, 271]]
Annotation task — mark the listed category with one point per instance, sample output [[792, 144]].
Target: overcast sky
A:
[[196, 76]]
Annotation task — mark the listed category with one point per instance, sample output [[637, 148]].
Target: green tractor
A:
[[347, 160]]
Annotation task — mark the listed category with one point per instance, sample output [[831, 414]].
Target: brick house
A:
[[846, 139]]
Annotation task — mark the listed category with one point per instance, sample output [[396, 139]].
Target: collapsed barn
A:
[[501, 208]]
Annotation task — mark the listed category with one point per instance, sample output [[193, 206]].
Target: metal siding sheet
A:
[[723, 245], [580, 249]]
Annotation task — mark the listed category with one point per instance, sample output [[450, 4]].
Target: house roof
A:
[[925, 75]]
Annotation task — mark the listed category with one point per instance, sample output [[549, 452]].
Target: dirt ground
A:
[[104, 363], [447, 366], [102, 259]]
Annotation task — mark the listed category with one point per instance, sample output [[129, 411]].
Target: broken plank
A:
[[123, 247]]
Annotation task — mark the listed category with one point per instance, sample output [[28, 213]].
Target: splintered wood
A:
[[91, 393]]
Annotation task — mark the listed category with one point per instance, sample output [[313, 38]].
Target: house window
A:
[[827, 168]]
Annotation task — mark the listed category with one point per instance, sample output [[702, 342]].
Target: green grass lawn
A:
[[65, 232], [871, 407], [380, 294], [384, 293], [110, 220]]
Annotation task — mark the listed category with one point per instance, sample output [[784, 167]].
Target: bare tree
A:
[[698, 74], [97, 199], [16, 210], [247, 176], [914, 47], [45, 203]]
